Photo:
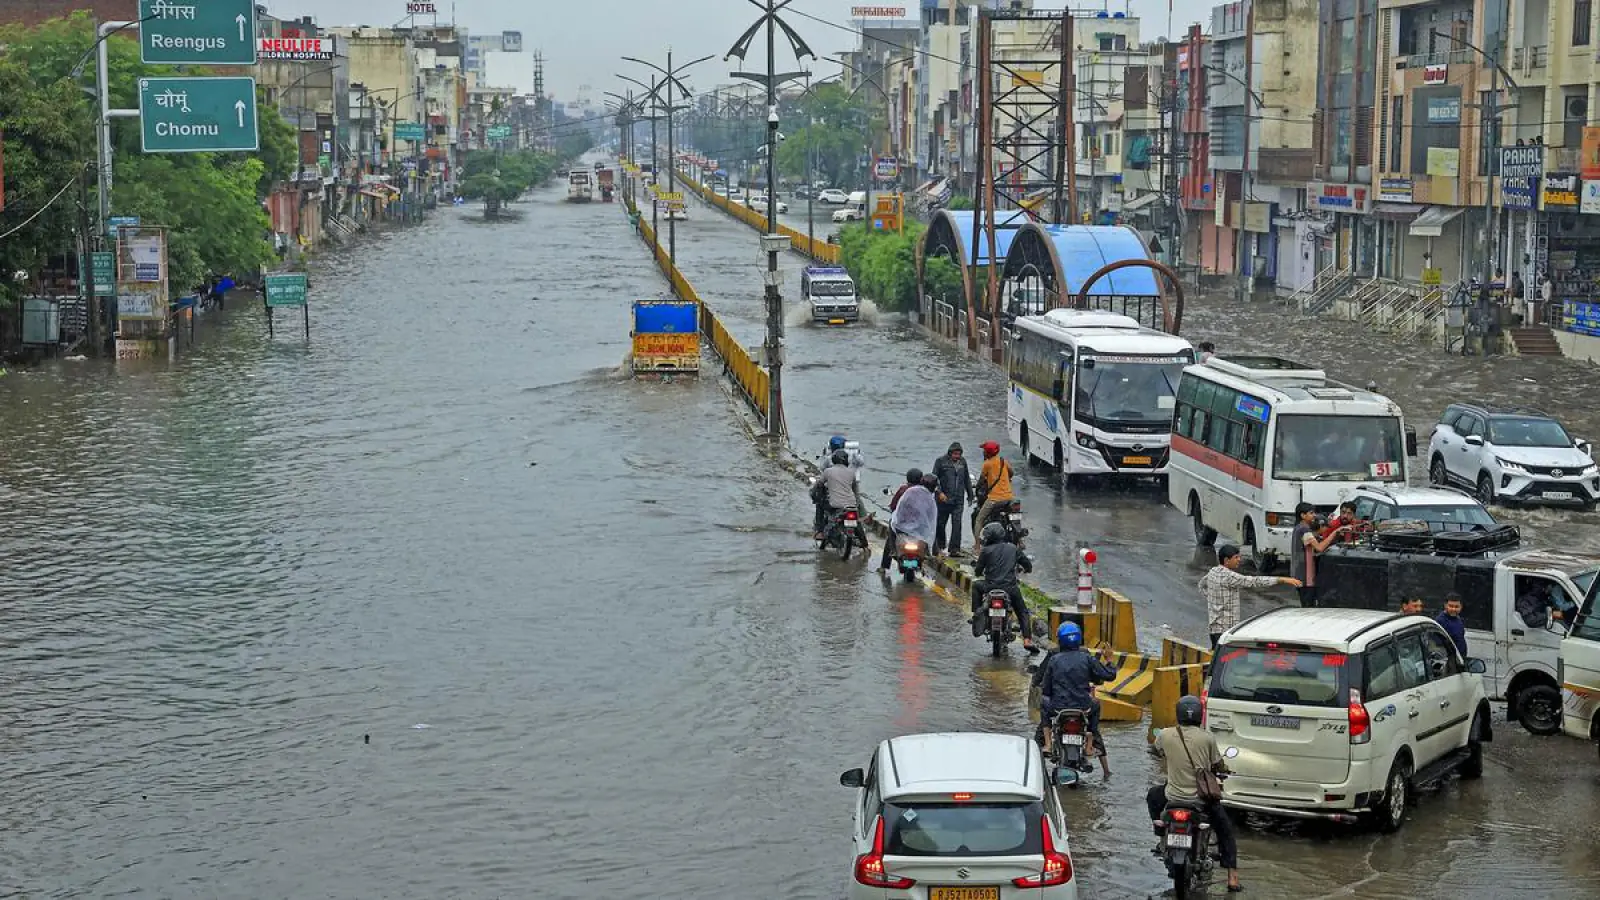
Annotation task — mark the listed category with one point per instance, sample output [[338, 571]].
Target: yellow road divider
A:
[[821, 251], [748, 376]]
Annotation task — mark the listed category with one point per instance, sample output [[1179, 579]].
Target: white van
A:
[[1579, 673]]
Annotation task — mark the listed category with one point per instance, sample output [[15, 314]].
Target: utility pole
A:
[[1492, 117], [1244, 158], [772, 242], [97, 332], [670, 81]]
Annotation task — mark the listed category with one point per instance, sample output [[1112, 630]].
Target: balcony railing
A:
[[1437, 58], [1529, 58]]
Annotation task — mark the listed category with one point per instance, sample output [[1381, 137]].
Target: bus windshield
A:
[[1127, 389], [1338, 448], [832, 288]]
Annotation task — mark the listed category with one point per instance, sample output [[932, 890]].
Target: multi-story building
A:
[[1197, 198], [1343, 232], [477, 45], [1107, 47]]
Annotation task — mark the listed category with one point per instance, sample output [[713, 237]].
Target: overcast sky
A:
[[583, 40]]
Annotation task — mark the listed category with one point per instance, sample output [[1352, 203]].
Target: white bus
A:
[[1255, 436], [1092, 392]]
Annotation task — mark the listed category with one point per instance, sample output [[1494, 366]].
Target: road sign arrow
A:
[[241, 20], [238, 107]]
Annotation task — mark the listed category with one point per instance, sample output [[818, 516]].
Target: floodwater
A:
[[440, 605]]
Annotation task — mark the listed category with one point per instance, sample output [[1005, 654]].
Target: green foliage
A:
[[208, 202], [500, 178], [959, 201], [574, 143], [883, 264], [832, 140], [941, 279]]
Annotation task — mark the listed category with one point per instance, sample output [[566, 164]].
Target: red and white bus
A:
[[1255, 436]]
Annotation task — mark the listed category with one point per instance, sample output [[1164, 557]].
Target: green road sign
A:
[[286, 290], [194, 115], [409, 131], [105, 273], [198, 32], [499, 132]]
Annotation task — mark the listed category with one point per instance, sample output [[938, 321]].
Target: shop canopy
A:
[[1433, 219]]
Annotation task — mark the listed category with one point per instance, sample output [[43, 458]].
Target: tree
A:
[[883, 263], [941, 280], [500, 178], [574, 143]]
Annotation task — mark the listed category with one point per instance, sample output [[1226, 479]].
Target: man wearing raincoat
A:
[[916, 513]]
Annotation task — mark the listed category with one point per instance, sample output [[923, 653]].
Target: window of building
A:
[[1397, 135], [1581, 14]]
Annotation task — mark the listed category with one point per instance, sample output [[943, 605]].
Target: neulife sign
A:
[[295, 48], [198, 32]]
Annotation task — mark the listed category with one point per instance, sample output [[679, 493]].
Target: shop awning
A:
[[1433, 219], [1140, 203], [1397, 212]]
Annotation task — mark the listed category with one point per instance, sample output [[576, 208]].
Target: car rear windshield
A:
[[1300, 676], [963, 829], [1449, 518]]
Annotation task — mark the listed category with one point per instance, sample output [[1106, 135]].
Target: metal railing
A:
[[1324, 283], [1527, 58]]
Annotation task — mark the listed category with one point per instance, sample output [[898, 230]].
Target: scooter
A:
[[909, 558], [1002, 628]]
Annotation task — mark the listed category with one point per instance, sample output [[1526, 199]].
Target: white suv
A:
[[958, 816], [1511, 454], [1340, 714]]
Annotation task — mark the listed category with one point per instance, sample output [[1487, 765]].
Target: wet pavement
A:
[[442, 605]]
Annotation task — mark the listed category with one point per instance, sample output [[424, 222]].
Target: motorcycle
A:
[[1009, 514], [909, 557], [1003, 627], [1072, 745], [1185, 847], [845, 532]]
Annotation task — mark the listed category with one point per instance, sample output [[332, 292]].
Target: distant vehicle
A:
[[832, 195], [759, 204], [832, 294], [675, 214], [580, 186], [851, 213], [1511, 454], [1441, 509], [1253, 436], [803, 192], [1341, 714], [607, 181], [1516, 604], [958, 815], [666, 337], [1092, 393]]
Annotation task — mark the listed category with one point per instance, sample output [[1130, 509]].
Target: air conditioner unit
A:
[[1577, 108]]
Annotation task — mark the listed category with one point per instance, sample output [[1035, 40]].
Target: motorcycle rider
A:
[[1186, 747], [913, 479], [955, 488], [835, 489], [914, 515], [994, 484], [851, 448], [996, 569], [1065, 680]]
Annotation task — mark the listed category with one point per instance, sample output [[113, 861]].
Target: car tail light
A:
[[1360, 722], [1057, 869], [960, 798], [869, 866]]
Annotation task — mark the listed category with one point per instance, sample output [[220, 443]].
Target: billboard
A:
[[298, 48]]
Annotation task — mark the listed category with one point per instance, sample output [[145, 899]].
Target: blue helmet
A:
[[836, 442], [1069, 636]]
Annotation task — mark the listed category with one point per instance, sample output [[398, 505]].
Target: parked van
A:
[[1579, 672], [1510, 604]]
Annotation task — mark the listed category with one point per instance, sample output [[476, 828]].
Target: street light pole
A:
[[671, 82]]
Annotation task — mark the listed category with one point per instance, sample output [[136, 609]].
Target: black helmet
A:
[[841, 458], [1190, 712], [993, 533], [913, 476]]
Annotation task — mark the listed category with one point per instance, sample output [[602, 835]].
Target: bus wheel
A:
[[1203, 536]]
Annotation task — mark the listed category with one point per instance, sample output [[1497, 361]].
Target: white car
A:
[[1511, 454], [958, 816], [1340, 714], [1444, 509], [759, 204], [849, 214], [834, 196]]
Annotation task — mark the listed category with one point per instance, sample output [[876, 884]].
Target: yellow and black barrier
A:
[[748, 376], [820, 251], [1171, 683]]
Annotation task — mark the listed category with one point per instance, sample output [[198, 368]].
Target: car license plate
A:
[[1072, 740], [1136, 460], [1276, 721], [909, 563], [835, 321], [1180, 840], [964, 893], [1558, 495]]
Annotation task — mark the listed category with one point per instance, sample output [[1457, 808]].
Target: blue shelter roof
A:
[[1085, 249], [1009, 221]]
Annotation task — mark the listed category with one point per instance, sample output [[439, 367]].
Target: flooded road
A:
[[439, 605]]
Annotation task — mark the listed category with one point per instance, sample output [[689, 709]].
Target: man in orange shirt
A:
[[994, 484]]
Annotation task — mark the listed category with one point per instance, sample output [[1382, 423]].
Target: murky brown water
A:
[[636, 676]]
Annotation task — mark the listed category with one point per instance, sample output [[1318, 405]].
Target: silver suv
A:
[[1444, 509]]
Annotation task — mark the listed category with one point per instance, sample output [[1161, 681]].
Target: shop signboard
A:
[[1589, 158], [1522, 162], [1435, 74], [877, 12], [1581, 318], [1444, 110], [887, 167], [1432, 277], [1590, 202], [1560, 193], [1519, 193], [302, 49], [1347, 198], [1394, 190], [1444, 162]]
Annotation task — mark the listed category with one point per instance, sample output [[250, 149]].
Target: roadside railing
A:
[[818, 250]]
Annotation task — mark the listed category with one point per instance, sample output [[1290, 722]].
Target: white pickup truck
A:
[[832, 294]]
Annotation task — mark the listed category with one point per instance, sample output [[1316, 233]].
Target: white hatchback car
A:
[[1340, 714], [958, 816], [833, 195], [1511, 454]]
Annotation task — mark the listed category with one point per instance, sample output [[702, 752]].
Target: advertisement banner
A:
[[686, 344], [1590, 203], [1560, 192], [1394, 190], [1519, 193], [887, 167], [1444, 162], [294, 48], [1522, 162], [1589, 156], [1350, 198], [1444, 110]]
